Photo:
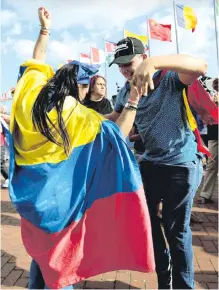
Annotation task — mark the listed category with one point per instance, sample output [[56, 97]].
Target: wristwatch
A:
[[131, 107]]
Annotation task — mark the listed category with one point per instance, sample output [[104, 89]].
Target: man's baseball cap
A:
[[126, 50]]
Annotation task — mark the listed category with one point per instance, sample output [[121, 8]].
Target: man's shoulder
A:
[[123, 91], [121, 99]]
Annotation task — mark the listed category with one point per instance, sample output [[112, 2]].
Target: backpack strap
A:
[[159, 77]]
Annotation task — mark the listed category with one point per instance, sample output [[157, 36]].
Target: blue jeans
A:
[[176, 186], [36, 280]]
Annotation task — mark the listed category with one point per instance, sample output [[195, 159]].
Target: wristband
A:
[[131, 107], [132, 102], [44, 32], [44, 28]]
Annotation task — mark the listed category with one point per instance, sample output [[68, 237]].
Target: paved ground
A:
[[15, 262]]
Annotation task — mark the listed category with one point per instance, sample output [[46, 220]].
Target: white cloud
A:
[[95, 14], [8, 18], [7, 45], [23, 48], [59, 51], [10, 22], [68, 48], [16, 29]]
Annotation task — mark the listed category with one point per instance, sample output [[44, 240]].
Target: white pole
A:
[[105, 59], [216, 31], [148, 33], [176, 32], [91, 55]]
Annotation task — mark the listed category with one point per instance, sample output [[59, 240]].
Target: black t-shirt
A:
[[103, 107]]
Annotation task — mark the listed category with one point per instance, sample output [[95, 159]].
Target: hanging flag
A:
[[201, 102], [110, 50], [109, 58], [85, 58], [186, 17], [6, 96], [97, 56], [160, 31], [143, 38], [110, 47]]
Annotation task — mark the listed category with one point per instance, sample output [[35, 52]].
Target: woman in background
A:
[[96, 97]]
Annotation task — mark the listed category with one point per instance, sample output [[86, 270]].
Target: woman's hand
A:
[[44, 17], [134, 94]]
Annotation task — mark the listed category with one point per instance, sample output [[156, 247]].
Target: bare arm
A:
[[112, 116], [40, 48], [41, 45], [187, 67], [126, 121]]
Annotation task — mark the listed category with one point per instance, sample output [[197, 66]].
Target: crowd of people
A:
[[62, 109]]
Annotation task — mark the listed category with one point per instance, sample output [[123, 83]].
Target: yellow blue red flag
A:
[[84, 213]]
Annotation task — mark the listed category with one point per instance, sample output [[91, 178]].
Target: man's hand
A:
[[44, 17], [143, 77]]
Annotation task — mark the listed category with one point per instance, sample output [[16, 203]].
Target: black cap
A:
[[126, 50]]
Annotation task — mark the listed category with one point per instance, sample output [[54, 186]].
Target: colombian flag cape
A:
[[82, 214]]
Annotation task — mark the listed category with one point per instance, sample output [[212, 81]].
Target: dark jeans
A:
[[176, 185], [36, 280], [4, 170]]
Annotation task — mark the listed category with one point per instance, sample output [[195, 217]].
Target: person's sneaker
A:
[[5, 184]]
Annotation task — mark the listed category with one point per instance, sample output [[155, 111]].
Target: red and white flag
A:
[[97, 56], [4, 96], [85, 58], [110, 47]]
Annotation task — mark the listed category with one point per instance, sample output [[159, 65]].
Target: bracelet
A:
[[132, 102], [44, 28], [43, 32], [131, 107]]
